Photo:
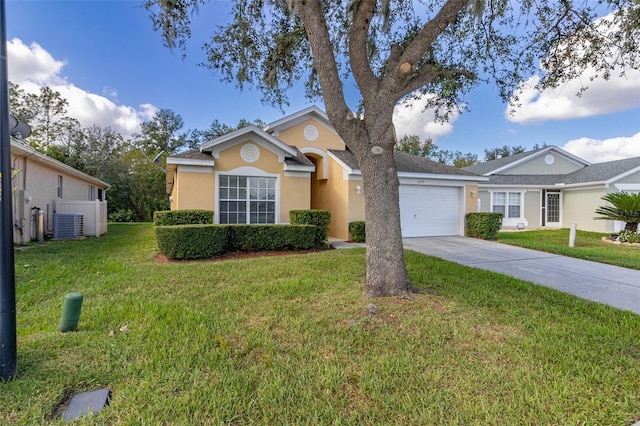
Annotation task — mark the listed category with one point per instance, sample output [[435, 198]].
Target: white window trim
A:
[[249, 172], [510, 221]]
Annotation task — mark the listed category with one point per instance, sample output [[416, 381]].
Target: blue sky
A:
[[105, 58]]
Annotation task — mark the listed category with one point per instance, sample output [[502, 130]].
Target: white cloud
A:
[[411, 118], [562, 103], [32, 64], [33, 67], [620, 92], [599, 151]]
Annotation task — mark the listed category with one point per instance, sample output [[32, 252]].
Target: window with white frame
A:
[[92, 193], [507, 203], [246, 199]]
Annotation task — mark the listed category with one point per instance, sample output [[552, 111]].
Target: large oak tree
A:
[[392, 50]]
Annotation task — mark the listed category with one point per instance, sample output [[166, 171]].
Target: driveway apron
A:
[[611, 285]]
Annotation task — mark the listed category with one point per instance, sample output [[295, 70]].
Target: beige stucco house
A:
[[53, 199], [256, 175], [551, 188]]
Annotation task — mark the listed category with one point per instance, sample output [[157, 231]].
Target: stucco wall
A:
[[579, 207], [295, 194], [471, 201], [333, 194], [41, 183], [532, 208], [538, 166], [193, 188], [326, 139]]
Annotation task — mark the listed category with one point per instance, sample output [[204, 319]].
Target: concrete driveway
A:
[[612, 285]]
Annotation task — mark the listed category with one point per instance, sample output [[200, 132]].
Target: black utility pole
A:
[[8, 351]]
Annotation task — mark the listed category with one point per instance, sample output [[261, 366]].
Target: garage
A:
[[430, 210]]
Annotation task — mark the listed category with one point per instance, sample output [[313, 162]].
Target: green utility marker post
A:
[[70, 312]]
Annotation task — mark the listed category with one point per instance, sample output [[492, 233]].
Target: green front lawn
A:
[[291, 340], [588, 245]]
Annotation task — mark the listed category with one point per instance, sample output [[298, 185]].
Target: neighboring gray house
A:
[[551, 188]]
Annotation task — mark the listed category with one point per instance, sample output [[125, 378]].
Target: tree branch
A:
[[404, 77], [363, 12], [431, 30], [315, 25]]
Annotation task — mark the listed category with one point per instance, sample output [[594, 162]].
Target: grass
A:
[[588, 245], [289, 340]]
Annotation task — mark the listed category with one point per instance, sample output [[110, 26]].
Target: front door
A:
[[551, 213]]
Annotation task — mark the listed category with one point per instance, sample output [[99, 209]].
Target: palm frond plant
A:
[[624, 207]]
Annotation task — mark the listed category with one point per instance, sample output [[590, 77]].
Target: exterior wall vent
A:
[[67, 226]]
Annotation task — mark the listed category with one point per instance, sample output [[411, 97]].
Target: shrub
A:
[[271, 237], [192, 241], [183, 217], [204, 241], [358, 231], [629, 237], [122, 215], [320, 218], [483, 225], [625, 207]]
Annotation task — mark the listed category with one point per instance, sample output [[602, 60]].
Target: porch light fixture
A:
[[473, 193], [358, 189]]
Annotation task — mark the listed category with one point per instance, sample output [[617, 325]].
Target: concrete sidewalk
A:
[[611, 285]]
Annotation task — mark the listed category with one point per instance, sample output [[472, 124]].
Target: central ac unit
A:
[[67, 226]]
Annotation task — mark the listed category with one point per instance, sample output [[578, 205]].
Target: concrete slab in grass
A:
[[86, 403]]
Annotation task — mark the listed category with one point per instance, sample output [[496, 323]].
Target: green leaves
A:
[[625, 207]]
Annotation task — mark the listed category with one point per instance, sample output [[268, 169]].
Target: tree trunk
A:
[[386, 270]]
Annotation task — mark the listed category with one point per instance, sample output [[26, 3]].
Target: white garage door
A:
[[429, 210]]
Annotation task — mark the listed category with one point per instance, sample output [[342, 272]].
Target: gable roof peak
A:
[[296, 118], [241, 135], [500, 164]]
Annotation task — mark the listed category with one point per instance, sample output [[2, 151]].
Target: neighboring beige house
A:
[[551, 188], [258, 175], [53, 199]]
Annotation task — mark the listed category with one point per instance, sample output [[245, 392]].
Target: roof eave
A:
[[27, 150], [189, 162]]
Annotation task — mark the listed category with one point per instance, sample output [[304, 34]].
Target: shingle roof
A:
[[193, 155], [300, 159], [407, 163], [599, 172]]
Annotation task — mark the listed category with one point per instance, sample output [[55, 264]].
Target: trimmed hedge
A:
[[358, 231], [483, 224], [319, 218], [182, 217], [271, 237], [204, 241], [192, 241]]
